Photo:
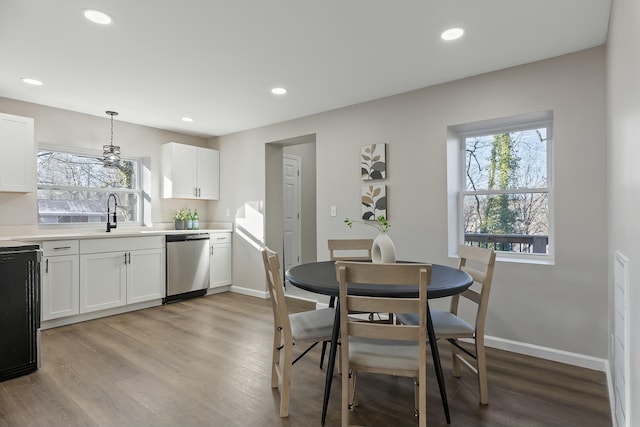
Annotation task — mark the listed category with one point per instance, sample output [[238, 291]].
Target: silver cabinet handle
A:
[[125, 258], [61, 247], [46, 266], [129, 257]]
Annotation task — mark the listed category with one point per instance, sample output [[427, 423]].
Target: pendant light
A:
[[111, 153]]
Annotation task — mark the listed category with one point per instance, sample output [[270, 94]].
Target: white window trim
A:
[[456, 136], [93, 153]]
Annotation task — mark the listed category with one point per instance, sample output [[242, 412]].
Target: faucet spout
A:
[[113, 225]]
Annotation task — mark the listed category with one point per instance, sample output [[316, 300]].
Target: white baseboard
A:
[[63, 321], [250, 292], [548, 353]]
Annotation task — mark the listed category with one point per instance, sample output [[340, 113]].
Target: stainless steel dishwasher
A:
[[187, 265]]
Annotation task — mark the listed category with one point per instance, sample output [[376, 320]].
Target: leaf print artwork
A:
[[373, 164], [374, 201]]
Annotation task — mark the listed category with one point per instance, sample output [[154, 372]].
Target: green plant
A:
[[181, 214], [382, 224]]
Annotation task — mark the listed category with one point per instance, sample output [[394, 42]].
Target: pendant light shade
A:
[[111, 153]]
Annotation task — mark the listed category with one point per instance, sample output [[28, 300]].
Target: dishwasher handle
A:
[[185, 237]]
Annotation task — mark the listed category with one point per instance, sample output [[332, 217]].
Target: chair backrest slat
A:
[[350, 249]]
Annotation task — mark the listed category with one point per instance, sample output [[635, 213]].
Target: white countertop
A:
[[32, 234]]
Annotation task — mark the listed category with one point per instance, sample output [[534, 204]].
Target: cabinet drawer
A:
[[116, 244], [60, 247], [220, 238]]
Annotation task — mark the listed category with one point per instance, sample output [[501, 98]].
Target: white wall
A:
[[75, 130], [563, 306], [623, 133]]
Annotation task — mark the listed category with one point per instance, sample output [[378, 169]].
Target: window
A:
[[504, 192], [73, 189]]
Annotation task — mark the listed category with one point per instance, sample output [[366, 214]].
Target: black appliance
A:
[[19, 308]]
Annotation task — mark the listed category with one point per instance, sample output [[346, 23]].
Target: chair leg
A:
[[285, 387], [346, 388], [275, 358], [354, 390], [324, 350], [456, 362], [481, 364], [422, 402], [416, 397]]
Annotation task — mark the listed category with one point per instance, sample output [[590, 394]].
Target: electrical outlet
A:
[[334, 211]]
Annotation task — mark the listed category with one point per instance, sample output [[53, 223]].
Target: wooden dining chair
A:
[[289, 329], [355, 250], [383, 348], [479, 263]]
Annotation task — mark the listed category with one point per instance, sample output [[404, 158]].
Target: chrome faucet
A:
[[115, 208]]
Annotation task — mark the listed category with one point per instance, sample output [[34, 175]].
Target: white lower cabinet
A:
[[60, 279], [220, 264], [120, 271], [103, 281], [145, 277]]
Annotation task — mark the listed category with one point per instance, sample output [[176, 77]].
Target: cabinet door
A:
[[179, 171], [220, 265], [60, 286], [17, 163], [208, 174], [103, 281], [145, 275]]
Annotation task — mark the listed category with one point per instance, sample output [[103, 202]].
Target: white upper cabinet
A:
[[18, 161], [208, 179], [190, 172]]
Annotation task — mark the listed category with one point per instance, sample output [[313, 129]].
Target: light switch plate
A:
[[334, 211]]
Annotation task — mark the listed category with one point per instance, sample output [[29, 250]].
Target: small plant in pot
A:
[[180, 217]]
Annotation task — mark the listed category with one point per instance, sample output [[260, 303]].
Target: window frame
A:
[[456, 163], [78, 151]]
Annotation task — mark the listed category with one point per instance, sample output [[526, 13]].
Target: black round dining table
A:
[[320, 277]]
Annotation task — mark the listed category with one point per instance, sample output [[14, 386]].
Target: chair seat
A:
[[445, 324], [312, 325], [383, 354]]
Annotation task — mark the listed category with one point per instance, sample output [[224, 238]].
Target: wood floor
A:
[[206, 362]]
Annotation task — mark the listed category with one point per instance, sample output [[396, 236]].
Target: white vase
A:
[[383, 249]]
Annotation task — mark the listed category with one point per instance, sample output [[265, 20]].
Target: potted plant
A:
[[180, 217]]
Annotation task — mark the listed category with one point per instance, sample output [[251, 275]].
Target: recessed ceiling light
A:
[[452, 34], [278, 91], [97, 17], [187, 119], [33, 82]]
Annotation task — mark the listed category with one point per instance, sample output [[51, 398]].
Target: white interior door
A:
[[291, 198]]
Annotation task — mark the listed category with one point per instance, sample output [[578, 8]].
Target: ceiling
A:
[[217, 60]]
